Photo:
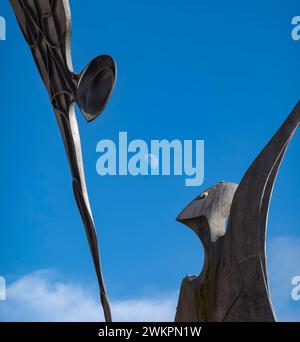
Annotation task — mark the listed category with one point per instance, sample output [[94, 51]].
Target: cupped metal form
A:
[[95, 86]]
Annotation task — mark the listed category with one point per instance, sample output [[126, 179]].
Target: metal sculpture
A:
[[233, 285], [46, 25]]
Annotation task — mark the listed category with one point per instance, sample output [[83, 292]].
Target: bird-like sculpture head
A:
[[208, 213]]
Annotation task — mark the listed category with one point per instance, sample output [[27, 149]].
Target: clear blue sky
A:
[[223, 71]]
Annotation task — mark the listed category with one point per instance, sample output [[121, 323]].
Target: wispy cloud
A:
[[41, 297], [37, 297]]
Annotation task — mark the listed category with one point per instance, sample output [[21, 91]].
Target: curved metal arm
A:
[[248, 220], [46, 25]]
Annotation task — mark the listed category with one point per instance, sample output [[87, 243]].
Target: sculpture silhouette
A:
[[233, 285], [46, 25]]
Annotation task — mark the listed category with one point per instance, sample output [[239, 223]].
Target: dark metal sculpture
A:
[[233, 285], [46, 25]]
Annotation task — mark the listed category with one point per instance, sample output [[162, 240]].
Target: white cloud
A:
[[41, 297], [283, 266], [37, 297]]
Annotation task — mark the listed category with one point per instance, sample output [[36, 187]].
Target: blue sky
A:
[[225, 72]]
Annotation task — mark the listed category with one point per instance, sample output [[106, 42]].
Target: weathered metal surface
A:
[[233, 285], [46, 25]]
